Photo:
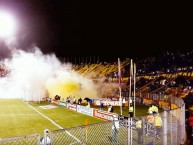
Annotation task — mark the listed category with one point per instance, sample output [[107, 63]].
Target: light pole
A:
[[7, 27]]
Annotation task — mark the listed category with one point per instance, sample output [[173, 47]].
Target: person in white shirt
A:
[[46, 139], [115, 129], [124, 102], [109, 108]]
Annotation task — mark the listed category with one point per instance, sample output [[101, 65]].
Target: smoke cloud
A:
[[34, 76]]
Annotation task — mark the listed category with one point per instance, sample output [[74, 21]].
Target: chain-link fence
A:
[[172, 131], [96, 134], [33, 139]]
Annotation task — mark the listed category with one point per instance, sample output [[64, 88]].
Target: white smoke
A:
[[34, 76]]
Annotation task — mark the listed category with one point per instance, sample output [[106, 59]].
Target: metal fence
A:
[[172, 131], [96, 134], [33, 139]]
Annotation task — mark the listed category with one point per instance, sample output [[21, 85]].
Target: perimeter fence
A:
[[172, 130]]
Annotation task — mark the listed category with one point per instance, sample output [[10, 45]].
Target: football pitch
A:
[[18, 118]]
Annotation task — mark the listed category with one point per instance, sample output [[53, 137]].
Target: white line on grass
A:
[[16, 114], [45, 116], [11, 106], [53, 122]]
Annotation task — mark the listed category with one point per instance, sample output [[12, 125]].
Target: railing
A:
[[33, 139], [172, 131]]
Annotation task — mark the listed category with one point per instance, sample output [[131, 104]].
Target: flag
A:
[[131, 68], [119, 71], [119, 76], [134, 71]]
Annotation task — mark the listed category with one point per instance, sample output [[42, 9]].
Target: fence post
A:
[[129, 131], [165, 128], [182, 124]]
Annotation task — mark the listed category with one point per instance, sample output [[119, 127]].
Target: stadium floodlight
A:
[[7, 25]]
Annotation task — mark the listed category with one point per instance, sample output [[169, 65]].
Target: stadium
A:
[[56, 90], [30, 106]]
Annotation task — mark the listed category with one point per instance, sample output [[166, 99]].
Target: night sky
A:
[[109, 29]]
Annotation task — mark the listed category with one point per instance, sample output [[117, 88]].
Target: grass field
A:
[[19, 118]]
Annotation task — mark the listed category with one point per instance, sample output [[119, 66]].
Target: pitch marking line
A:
[[48, 107], [12, 106], [16, 114], [52, 122]]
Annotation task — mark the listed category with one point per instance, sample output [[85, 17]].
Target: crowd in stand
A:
[[169, 62], [3, 71]]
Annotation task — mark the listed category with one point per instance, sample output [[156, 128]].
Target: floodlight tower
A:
[[7, 27]]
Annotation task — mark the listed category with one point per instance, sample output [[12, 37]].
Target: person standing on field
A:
[[131, 110], [158, 125], [139, 128], [46, 139], [115, 129], [101, 105]]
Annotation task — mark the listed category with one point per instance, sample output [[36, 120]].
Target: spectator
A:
[[131, 110], [74, 100], [110, 108], [150, 108], [87, 99], [101, 105], [68, 99], [150, 117], [158, 125], [190, 125], [150, 122], [79, 100], [49, 99], [124, 102], [154, 109], [139, 128], [88, 105], [115, 129], [57, 97], [46, 139]]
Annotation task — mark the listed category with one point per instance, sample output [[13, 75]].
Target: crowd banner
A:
[[109, 102], [85, 110], [103, 114], [62, 104], [72, 106]]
